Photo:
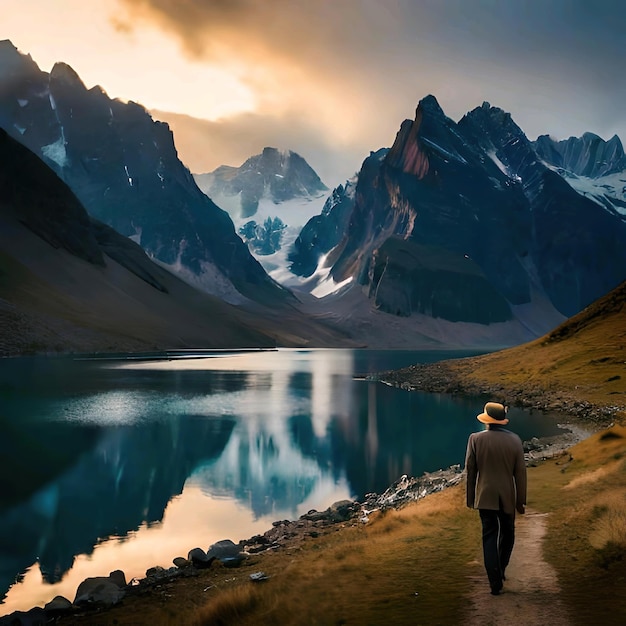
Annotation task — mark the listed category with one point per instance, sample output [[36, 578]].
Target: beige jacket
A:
[[496, 471]]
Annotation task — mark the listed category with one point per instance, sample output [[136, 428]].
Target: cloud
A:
[[352, 70], [205, 145]]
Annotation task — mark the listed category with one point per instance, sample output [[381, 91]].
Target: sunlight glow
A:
[[145, 66]]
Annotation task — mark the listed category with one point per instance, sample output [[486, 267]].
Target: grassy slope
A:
[[580, 363]]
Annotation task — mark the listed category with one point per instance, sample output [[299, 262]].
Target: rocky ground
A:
[[451, 377]]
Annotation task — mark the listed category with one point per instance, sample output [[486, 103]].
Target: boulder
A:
[[102, 590], [199, 558], [58, 604], [227, 552]]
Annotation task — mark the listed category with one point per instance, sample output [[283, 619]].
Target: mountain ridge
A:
[[124, 168], [476, 189]]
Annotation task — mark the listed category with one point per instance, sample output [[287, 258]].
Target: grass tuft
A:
[[229, 607]]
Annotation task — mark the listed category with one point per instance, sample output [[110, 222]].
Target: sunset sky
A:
[[333, 79]]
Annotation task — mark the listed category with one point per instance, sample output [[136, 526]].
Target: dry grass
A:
[[586, 540], [581, 361], [387, 572], [414, 566]]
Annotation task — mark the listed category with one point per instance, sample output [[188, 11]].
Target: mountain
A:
[[593, 167], [588, 156], [124, 169], [324, 231], [269, 198], [465, 223], [71, 283], [275, 175]]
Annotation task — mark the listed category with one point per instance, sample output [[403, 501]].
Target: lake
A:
[[125, 463]]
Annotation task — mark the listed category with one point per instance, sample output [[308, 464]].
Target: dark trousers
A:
[[498, 540]]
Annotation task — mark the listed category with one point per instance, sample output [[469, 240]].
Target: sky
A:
[[334, 79]]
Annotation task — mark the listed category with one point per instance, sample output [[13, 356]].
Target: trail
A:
[[531, 594]]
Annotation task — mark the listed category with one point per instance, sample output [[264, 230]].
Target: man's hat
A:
[[493, 413]]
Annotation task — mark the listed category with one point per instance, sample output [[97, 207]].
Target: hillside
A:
[[69, 283], [577, 368]]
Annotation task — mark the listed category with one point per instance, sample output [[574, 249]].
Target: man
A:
[[496, 486]]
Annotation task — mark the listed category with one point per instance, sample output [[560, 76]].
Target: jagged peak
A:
[[429, 105], [7, 47], [11, 58], [62, 72]]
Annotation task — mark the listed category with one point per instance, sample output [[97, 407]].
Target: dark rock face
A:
[[278, 175], [124, 168], [263, 238], [432, 281], [34, 194], [323, 232], [588, 155], [574, 244], [463, 220]]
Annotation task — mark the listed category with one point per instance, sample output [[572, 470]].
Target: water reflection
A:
[[102, 456]]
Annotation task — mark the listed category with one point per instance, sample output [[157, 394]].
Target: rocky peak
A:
[[273, 174], [588, 155], [427, 141], [430, 106], [488, 121], [63, 73], [13, 62]]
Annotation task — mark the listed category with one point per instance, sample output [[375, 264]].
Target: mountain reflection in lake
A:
[[128, 463]]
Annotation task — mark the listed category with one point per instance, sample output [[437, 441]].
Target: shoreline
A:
[[100, 594]]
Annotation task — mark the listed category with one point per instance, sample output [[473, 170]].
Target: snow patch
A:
[[130, 180], [137, 236], [432, 144], [56, 152], [293, 213], [22, 102], [328, 286], [502, 167], [601, 190], [19, 129]]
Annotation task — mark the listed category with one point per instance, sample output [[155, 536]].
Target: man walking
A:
[[496, 486]]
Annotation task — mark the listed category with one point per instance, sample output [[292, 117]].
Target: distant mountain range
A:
[[461, 234], [68, 282]]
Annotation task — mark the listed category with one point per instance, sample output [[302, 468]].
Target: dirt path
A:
[[531, 591]]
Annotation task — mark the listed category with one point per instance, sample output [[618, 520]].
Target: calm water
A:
[[127, 464]]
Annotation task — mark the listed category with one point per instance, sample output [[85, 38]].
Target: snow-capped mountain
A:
[[464, 223], [124, 168], [593, 167], [269, 198]]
